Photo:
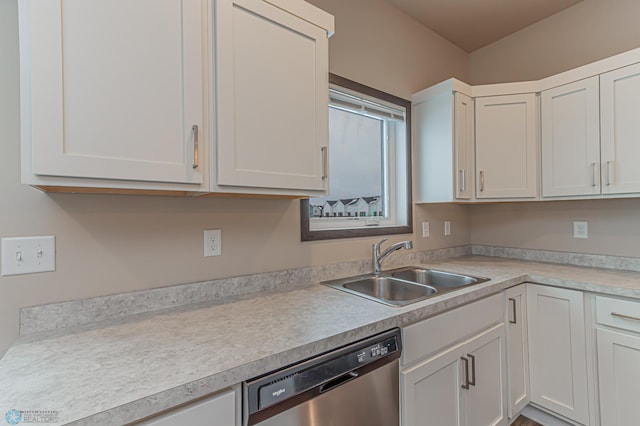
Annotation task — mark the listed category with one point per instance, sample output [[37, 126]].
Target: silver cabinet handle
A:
[[608, 173], [463, 183], [615, 314], [472, 382], [465, 385], [481, 181], [196, 160], [325, 162], [513, 309], [593, 174]]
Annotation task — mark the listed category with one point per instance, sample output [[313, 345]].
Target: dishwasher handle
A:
[[338, 381]]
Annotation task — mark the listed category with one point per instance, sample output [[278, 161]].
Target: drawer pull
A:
[[463, 183], [466, 383], [513, 309], [325, 162], [593, 174], [472, 382], [481, 181], [196, 161], [615, 314]]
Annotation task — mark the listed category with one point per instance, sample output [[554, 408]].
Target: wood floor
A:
[[523, 421]]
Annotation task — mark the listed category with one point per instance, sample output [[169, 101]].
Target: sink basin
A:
[[384, 289], [403, 286], [433, 277]]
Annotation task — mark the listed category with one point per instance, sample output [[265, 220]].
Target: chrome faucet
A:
[[377, 257]]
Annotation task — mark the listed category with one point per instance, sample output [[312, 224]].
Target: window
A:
[[370, 166]]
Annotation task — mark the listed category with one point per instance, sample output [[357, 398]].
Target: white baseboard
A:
[[545, 418]]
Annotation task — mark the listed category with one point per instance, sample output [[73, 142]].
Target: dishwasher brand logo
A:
[[279, 392]]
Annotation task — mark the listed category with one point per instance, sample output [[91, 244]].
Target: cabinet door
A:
[[112, 89], [619, 92], [483, 403], [557, 351], [464, 143], [271, 97], [218, 410], [431, 391], [517, 350], [506, 147], [571, 139], [619, 374]]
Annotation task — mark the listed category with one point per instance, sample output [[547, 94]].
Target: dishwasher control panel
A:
[[322, 373]]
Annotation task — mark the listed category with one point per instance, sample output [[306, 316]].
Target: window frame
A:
[[306, 234]]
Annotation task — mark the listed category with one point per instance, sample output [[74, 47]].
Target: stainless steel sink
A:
[[403, 286], [384, 289], [436, 278]]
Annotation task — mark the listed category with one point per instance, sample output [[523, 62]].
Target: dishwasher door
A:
[[369, 400], [353, 386]]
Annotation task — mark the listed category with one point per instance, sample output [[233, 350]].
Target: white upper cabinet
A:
[[571, 139], [619, 94], [443, 132], [112, 89], [271, 98], [189, 96], [506, 146], [464, 145]]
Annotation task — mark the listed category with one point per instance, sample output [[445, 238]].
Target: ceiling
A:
[[472, 24]]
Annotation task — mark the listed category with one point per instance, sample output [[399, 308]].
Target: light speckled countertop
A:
[[123, 370]]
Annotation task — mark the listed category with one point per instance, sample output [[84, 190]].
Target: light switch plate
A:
[[27, 255]]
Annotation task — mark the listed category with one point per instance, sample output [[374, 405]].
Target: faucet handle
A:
[[379, 243]]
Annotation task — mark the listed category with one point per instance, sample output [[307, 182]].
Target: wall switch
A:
[[425, 229], [447, 228], [580, 229], [28, 255], [212, 242]]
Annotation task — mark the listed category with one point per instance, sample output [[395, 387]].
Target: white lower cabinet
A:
[[463, 385], [618, 342], [219, 410], [462, 381], [558, 351], [517, 350]]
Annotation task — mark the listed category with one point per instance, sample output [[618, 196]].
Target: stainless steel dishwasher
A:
[[356, 385]]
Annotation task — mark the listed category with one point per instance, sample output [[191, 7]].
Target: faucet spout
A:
[[378, 257]]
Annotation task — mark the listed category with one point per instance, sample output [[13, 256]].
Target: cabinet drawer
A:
[[428, 336], [624, 314]]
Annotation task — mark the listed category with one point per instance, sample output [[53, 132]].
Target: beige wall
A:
[[111, 244], [589, 31], [584, 33], [400, 55], [614, 226]]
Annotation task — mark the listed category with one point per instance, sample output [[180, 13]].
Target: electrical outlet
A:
[[212, 242], [28, 255], [425, 229], [580, 229], [447, 228]]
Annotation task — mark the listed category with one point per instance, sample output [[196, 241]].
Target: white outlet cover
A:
[[425, 229], [447, 227], [212, 242], [28, 255], [580, 229]]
